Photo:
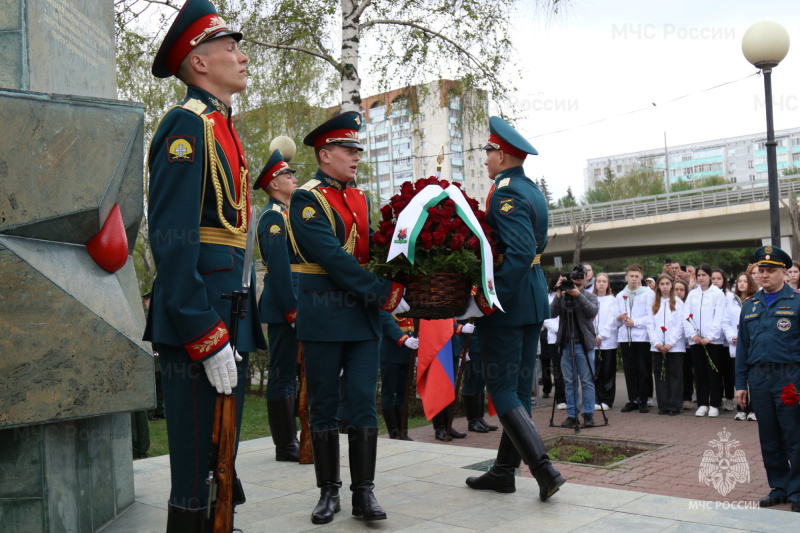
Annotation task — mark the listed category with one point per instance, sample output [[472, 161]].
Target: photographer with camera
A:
[[577, 309]]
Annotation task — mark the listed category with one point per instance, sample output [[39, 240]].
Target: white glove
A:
[[412, 342], [221, 369], [472, 310], [402, 307], [292, 324], [467, 328]]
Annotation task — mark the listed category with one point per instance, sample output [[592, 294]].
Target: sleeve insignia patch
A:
[[506, 206], [275, 230], [308, 213], [180, 149]]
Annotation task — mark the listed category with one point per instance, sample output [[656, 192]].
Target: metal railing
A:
[[677, 202]]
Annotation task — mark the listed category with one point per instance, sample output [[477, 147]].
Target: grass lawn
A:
[[254, 425]]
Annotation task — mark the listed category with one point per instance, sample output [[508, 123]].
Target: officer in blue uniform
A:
[[768, 359], [337, 314], [198, 218], [396, 346], [278, 304], [517, 212]]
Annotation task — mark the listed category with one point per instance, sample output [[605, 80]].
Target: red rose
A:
[[407, 188], [399, 206], [420, 184], [457, 242], [473, 203], [444, 184], [448, 211], [439, 237], [426, 240], [473, 243], [481, 216], [386, 212], [789, 395], [379, 239]]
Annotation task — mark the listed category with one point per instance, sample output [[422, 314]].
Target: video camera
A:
[[568, 282]]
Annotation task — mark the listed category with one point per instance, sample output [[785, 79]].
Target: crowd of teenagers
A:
[[676, 336]]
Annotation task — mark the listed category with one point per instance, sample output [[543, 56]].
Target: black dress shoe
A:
[[457, 434], [569, 423], [771, 501], [440, 433], [476, 426], [796, 507], [630, 406], [643, 408], [487, 425]]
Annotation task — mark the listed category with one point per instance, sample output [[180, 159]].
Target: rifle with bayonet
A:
[[225, 490]]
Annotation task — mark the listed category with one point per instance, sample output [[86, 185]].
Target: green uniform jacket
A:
[[768, 334], [517, 212], [187, 308], [341, 303], [278, 303]]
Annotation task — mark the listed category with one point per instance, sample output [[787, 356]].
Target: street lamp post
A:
[[765, 44]]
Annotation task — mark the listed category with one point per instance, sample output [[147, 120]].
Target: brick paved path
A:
[[672, 471]]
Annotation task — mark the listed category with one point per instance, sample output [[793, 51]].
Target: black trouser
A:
[[729, 364], [638, 367], [560, 396], [605, 364], [669, 391], [546, 357], [708, 381], [688, 377]]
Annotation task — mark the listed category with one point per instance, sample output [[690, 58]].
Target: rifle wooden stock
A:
[[223, 446], [306, 453]]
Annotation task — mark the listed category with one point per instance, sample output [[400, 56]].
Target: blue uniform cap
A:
[[275, 167], [196, 23], [505, 138], [341, 129], [771, 256]]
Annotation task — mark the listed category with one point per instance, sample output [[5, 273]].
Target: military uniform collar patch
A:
[[328, 181], [219, 106], [210, 100]]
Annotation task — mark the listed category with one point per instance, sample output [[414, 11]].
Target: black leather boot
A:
[[473, 415], [481, 403], [363, 452], [180, 520], [392, 423], [343, 426], [520, 429], [283, 429], [500, 478], [326, 466]]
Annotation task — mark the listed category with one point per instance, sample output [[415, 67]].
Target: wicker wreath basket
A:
[[441, 295]]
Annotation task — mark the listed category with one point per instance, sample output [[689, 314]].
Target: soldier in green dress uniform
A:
[[396, 348], [516, 210], [198, 218], [278, 304], [337, 314]]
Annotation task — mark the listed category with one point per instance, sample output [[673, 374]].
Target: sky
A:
[[600, 59]]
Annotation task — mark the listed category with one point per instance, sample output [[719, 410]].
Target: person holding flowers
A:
[[633, 308], [703, 314], [667, 345], [744, 289], [338, 320], [768, 361], [516, 212]]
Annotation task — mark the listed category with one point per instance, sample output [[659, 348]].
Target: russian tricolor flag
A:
[[435, 372]]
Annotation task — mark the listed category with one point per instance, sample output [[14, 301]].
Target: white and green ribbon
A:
[[413, 217]]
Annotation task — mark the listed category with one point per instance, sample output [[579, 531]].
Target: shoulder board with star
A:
[[310, 184], [504, 182], [195, 106]]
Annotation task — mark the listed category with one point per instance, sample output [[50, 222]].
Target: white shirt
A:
[[605, 322], [638, 308], [672, 321], [708, 308]]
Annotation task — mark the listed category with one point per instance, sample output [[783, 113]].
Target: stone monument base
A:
[[74, 475]]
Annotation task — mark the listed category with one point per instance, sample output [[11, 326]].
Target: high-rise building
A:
[[737, 159], [406, 129]]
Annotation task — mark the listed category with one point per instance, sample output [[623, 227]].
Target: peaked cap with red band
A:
[[341, 129], [197, 22], [275, 167], [506, 139]]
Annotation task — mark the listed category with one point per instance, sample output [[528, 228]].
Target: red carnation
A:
[[386, 212], [438, 237], [663, 328], [473, 243], [379, 239], [426, 239], [789, 395], [457, 242]]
